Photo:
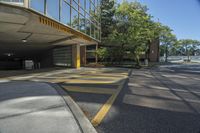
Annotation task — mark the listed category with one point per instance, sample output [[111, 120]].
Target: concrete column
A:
[[83, 55], [26, 3], [76, 56]]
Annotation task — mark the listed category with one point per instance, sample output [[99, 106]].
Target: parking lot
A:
[[93, 89], [160, 99]]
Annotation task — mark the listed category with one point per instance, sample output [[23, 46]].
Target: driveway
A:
[[93, 89], [165, 99]]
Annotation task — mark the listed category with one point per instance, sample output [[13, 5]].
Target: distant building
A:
[[153, 53]]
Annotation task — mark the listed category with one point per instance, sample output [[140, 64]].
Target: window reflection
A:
[[65, 13], [87, 27], [82, 23], [87, 6], [82, 15], [38, 5], [75, 4], [75, 20], [92, 29], [53, 9], [82, 3]]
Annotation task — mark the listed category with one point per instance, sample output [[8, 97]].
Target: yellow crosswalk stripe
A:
[[106, 107], [90, 90]]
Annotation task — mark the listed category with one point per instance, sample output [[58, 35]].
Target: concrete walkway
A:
[[34, 107]]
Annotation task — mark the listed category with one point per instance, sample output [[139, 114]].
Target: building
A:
[[47, 32], [154, 51]]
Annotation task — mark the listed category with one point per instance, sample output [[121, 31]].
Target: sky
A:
[[183, 16]]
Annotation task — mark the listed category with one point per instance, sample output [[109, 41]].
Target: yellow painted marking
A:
[[106, 107], [90, 90], [104, 74], [82, 81], [78, 77]]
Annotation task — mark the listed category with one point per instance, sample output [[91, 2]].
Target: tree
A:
[[189, 45], [133, 29], [167, 40], [102, 53], [107, 17]]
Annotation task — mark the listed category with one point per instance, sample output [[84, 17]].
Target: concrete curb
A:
[[80, 117]]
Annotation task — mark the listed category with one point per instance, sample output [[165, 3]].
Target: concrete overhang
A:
[[24, 26]]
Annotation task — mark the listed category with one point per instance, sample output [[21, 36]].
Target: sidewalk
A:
[[35, 107]]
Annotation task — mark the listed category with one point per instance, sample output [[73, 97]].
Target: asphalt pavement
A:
[[164, 99], [93, 89]]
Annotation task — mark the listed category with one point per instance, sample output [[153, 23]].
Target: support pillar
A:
[[26, 3], [76, 55], [83, 55]]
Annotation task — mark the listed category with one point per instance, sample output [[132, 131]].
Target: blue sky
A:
[[183, 16]]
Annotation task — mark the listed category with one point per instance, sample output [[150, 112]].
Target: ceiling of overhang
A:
[[18, 24]]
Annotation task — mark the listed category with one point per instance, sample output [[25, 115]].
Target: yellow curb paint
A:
[[81, 81], [106, 107], [80, 78], [90, 90]]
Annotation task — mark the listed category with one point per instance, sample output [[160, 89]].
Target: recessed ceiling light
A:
[[24, 40], [8, 54]]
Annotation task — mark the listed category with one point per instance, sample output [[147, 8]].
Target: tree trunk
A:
[[188, 54], [137, 59], [121, 54], [166, 53]]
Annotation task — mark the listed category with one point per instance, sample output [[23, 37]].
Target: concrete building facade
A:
[[47, 32]]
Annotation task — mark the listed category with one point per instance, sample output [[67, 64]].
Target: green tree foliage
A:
[[133, 29], [102, 53], [107, 17], [189, 46], [168, 40], [129, 27]]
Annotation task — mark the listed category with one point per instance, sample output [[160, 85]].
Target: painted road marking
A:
[[106, 107], [89, 90], [166, 89], [117, 79], [83, 81]]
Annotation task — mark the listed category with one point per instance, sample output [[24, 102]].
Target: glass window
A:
[[82, 23], [92, 1], [68, 1], [82, 11], [53, 9], [82, 3], [87, 16], [75, 21], [96, 33], [76, 1], [96, 3], [92, 8], [87, 8], [74, 4], [65, 13], [87, 27], [37, 5], [92, 29]]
